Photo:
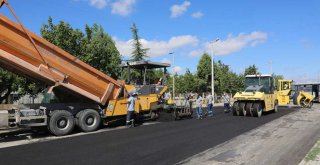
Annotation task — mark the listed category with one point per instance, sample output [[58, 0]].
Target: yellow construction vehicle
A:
[[299, 97], [284, 91], [149, 93], [260, 95], [85, 95]]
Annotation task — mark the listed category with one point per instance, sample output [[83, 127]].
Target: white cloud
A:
[[123, 7], [196, 53], [177, 70], [100, 4], [198, 14], [158, 48], [165, 60], [178, 10], [235, 43]]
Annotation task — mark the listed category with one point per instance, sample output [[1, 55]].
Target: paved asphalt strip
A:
[[163, 143]]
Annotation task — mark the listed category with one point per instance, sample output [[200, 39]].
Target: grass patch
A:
[[312, 155]]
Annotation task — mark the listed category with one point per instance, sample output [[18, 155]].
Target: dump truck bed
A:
[[52, 65]]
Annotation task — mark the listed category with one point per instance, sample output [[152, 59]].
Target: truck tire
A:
[[155, 115], [276, 106], [235, 109], [61, 122], [176, 114], [248, 108], [242, 111], [88, 120], [257, 109], [302, 102], [310, 105]]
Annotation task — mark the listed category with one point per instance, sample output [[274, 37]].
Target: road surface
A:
[[162, 143]]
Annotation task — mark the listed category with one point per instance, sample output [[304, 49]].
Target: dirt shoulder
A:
[[283, 141]]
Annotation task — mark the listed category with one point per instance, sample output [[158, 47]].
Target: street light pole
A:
[[212, 71], [173, 71]]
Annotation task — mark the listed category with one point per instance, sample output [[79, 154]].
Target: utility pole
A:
[[212, 70], [173, 71]]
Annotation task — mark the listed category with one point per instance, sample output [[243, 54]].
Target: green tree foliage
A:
[[139, 53], [204, 67], [251, 70], [276, 79], [10, 82], [94, 46], [225, 80], [101, 52], [64, 36], [222, 78]]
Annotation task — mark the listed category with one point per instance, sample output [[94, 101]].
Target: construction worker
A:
[[130, 108], [226, 101], [199, 107], [285, 86], [209, 105], [167, 96]]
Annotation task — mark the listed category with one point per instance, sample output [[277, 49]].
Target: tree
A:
[[64, 36], [101, 52], [203, 77], [139, 53], [251, 70], [186, 83], [94, 47], [204, 67], [276, 79], [222, 78], [10, 82], [7, 84]]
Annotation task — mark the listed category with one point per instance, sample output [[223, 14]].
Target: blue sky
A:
[[250, 31]]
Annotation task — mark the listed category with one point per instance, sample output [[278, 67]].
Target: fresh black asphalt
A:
[[162, 143]]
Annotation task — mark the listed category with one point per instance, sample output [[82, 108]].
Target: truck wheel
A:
[[257, 109], [235, 108], [302, 102], [242, 111], [276, 107], [88, 120], [310, 105], [61, 122], [176, 114], [248, 109]]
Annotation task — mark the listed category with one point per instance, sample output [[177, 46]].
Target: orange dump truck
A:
[[29, 55]]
